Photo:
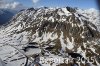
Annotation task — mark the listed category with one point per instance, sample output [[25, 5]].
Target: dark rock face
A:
[[29, 47], [75, 55], [49, 48], [31, 9], [33, 43], [71, 9]]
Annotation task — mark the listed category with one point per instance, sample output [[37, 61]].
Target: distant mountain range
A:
[[6, 15]]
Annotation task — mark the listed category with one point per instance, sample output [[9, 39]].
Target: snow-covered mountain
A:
[[92, 15], [56, 31], [6, 15]]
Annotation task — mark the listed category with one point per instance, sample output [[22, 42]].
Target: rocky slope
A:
[[92, 15], [62, 30]]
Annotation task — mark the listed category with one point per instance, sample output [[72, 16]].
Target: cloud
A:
[[11, 4], [15, 6], [35, 1]]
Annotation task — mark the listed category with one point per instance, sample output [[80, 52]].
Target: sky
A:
[[21, 4]]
